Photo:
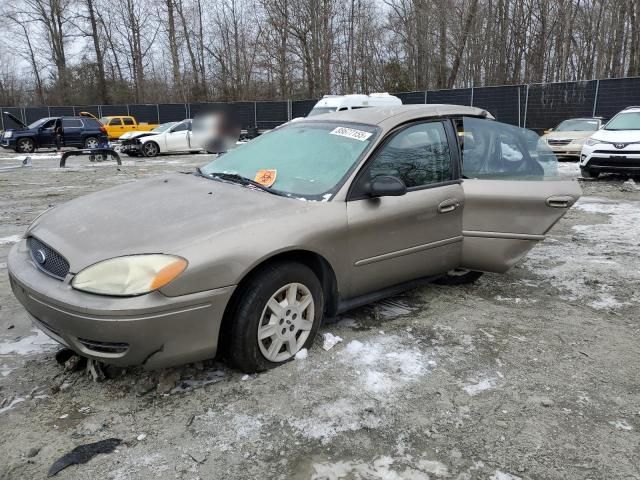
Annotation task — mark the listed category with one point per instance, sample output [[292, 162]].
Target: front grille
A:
[[619, 152], [558, 142], [47, 259], [104, 347]]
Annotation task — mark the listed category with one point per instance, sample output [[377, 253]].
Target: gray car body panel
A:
[[225, 231]]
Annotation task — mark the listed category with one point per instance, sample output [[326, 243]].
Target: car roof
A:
[[383, 116]]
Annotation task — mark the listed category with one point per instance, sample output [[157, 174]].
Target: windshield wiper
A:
[[239, 179]]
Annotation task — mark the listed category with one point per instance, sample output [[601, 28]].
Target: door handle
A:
[[563, 201], [448, 206]]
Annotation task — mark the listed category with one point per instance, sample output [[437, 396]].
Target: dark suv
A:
[[80, 132]]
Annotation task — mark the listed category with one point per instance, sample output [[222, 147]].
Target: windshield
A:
[[303, 159], [39, 123], [577, 125], [321, 110], [164, 127], [624, 121]]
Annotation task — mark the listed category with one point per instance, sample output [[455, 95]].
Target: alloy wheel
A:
[[91, 143], [286, 322], [150, 149]]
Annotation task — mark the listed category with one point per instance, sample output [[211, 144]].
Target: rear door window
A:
[[495, 150], [128, 121], [71, 123]]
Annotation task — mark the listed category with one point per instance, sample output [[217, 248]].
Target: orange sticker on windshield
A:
[[266, 177]]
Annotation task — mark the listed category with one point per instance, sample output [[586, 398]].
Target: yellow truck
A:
[[116, 125]]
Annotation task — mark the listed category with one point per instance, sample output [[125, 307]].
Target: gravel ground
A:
[[532, 374]]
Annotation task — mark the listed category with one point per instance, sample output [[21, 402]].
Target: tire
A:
[[150, 149], [274, 283], [25, 145], [459, 277], [91, 142], [586, 173]]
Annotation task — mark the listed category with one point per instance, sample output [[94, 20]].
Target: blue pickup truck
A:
[[79, 132]]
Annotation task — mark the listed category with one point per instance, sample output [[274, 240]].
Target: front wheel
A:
[[26, 145], [150, 149], [277, 315], [91, 142], [459, 276], [586, 173]]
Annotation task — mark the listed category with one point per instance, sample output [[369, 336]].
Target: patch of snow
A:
[[621, 425], [302, 354], [498, 475], [330, 341], [141, 437], [481, 386], [12, 404], [28, 345], [381, 468], [10, 240], [5, 370], [601, 257]]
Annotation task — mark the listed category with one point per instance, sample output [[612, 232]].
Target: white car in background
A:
[[159, 129], [615, 148], [176, 139]]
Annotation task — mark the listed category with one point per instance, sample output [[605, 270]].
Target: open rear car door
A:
[[513, 194]]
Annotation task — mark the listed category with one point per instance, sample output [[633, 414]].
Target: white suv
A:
[[615, 148]]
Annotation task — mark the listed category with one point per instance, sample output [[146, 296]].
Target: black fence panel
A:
[[61, 112], [108, 110], [456, 96], [271, 114], [6, 122], [616, 94], [409, 98], [144, 113], [172, 112], [502, 102], [301, 108], [551, 103], [245, 112], [31, 114]]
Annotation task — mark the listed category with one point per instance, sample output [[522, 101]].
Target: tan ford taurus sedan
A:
[[247, 255]]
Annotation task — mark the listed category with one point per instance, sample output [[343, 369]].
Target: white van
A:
[[336, 103]]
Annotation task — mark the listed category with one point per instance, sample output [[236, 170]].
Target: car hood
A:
[[130, 135], [617, 136], [20, 123], [573, 135], [165, 214]]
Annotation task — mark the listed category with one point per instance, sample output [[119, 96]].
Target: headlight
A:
[[130, 275], [8, 134], [591, 142]]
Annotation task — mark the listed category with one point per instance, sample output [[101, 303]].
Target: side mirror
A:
[[387, 186]]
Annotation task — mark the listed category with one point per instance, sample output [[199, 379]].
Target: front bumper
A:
[[129, 146], [152, 330], [603, 158], [9, 143], [566, 151]]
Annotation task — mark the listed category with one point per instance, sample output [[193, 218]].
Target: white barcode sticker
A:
[[351, 133]]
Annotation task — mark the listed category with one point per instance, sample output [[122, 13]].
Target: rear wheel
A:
[[26, 145], [277, 315], [150, 149], [91, 142], [586, 173], [459, 276]]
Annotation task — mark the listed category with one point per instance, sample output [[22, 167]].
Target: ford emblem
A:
[[40, 256], [619, 145]]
